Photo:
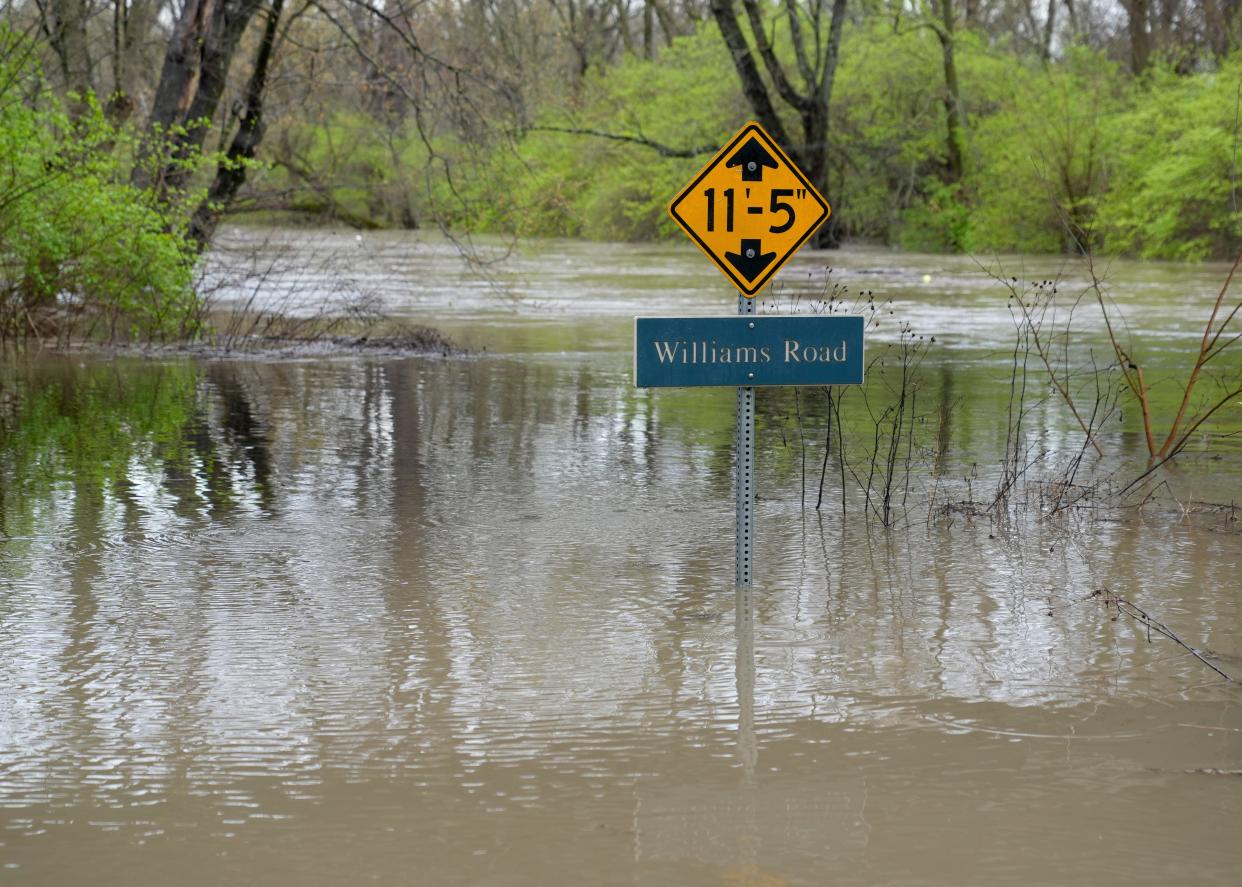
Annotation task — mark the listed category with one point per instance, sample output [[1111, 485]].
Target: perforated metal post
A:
[[745, 468], [747, 747]]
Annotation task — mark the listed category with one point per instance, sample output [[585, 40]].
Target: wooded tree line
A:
[[947, 124]]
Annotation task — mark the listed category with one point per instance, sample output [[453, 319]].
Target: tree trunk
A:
[[665, 18], [64, 22], [231, 173], [648, 31], [1073, 20], [1221, 16], [131, 24], [954, 120], [196, 67], [1045, 51], [829, 234], [1140, 39], [812, 106], [753, 87]]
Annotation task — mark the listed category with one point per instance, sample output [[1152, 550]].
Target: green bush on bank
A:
[[1043, 160], [1176, 149], [1080, 153], [558, 183], [889, 144], [79, 245]]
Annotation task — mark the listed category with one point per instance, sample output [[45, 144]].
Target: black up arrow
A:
[[752, 158], [750, 260]]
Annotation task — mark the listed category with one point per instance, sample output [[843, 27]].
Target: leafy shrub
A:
[[1174, 193], [887, 140], [78, 244], [555, 183], [1040, 163]]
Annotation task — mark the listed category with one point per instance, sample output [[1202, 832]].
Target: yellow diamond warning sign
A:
[[749, 209]]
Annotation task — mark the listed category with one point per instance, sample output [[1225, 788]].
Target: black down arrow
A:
[[750, 261], [752, 158]]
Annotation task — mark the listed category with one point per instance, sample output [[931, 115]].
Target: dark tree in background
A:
[[810, 99], [231, 173], [192, 81]]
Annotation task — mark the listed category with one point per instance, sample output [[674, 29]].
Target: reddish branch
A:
[[1208, 348]]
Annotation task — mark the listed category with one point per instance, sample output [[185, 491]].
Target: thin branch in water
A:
[[1144, 618], [1205, 353]]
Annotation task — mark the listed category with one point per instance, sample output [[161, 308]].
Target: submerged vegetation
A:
[[1092, 402]]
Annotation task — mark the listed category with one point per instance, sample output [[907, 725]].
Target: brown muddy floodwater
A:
[[470, 621]]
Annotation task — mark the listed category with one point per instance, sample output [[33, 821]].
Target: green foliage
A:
[[347, 165], [554, 183], [77, 242], [1040, 162], [887, 140], [1059, 153], [938, 221], [1175, 184]]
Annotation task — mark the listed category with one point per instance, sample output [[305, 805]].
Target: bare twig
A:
[[1043, 350], [1143, 617], [661, 149]]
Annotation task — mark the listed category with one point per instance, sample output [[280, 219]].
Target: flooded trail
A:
[[471, 620]]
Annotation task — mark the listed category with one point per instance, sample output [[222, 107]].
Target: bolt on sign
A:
[[749, 209]]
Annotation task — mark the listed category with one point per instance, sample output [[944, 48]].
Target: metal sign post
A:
[[748, 209], [744, 482], [746, 351]]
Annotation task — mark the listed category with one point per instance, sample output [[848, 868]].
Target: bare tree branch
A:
[[661, 149]]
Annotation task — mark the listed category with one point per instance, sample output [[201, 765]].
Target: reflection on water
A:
[[331, 621], [469, 621]]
